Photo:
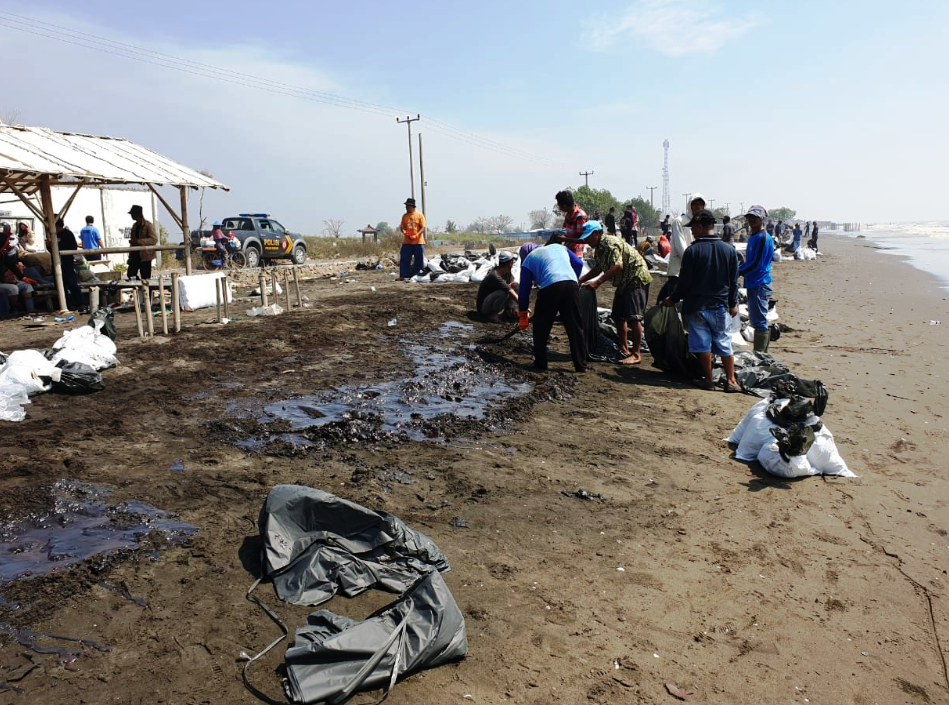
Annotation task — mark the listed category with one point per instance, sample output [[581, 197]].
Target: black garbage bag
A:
[[107, 317], [78, 378]]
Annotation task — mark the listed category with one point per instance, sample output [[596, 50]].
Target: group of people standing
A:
[[703, 275]]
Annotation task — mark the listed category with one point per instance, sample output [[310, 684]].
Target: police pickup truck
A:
[[261, 238]]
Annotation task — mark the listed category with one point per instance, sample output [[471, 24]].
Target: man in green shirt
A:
[[615, 260]]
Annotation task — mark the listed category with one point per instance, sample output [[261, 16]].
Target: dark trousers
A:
[[411, 260], [563, 298], [138, 267], [74, 300]]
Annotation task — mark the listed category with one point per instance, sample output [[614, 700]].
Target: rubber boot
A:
[[29, 304], [762, 338]]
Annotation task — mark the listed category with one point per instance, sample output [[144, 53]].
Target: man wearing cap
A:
[[412, 254], [757, 272], [708, 289], [679, 240], [616, 261], [555, 268], [497, 293], [142, 235]]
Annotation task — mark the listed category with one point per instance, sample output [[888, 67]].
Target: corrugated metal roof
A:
[[26, 153]]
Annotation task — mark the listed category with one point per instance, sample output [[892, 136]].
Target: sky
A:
[[836, 110]]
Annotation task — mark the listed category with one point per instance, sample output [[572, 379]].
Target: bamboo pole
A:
[[175, 303], [273, 286], [217, 292], [147, 308], [161, 302], [138, 313], [263, 289], [94, 299], [185, 229], [46, 195], [296, 284], [225, 283], [286, 287]]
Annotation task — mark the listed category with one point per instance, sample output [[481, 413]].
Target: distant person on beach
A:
[[556, 269], [708, 289], [796, 243], [142, 235], [611, 221], [814, 234], [728, 231], [779, 232], [757, 272], [770, 229], [67, 241], [680, 239], [497, 293], [574, 218], [665, 226], [91, 239], [626, 225], [615, 260], [412, 254]]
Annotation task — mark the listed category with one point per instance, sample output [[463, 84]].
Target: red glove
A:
[[31, 281], [525, 320]]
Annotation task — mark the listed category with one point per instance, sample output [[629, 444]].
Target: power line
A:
[[147, 56]]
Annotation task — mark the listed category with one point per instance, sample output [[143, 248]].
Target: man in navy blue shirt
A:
[[708, 290]]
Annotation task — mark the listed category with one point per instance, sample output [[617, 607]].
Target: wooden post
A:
[[217, 292], [185, 229], [147, 307], [175, 303], [263, 289], [286, 287], [296, 284], [138, 312], [94, 299], [161, 302], [46, 195], [225, 285]]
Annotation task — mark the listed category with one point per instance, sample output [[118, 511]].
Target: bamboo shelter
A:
[[34, 159]]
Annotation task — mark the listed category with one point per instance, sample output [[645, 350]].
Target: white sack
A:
[[795, 466], [198, 290], [12, 400], [86, 345], [752, 432]]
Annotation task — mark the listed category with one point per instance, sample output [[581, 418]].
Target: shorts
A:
[[709, 331], [629, 304]]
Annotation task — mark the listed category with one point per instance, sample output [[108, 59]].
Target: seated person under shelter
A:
[[497, 294], [13, 285]]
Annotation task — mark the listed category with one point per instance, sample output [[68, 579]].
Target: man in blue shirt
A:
[[91, 239], [797, 237], [556, 270], [757, 273], [708, 289]]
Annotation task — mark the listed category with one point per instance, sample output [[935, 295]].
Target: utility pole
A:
[[711, 204], [688, 203], [408, 123], [651, 190], [728, 210], [586, 177], [421, 170], [741, 204]]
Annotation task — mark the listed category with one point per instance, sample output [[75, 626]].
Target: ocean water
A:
[[926, 245]]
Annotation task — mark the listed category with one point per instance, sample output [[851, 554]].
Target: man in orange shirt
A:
[[412, 255]]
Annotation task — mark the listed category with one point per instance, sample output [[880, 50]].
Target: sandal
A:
[[733, 388], [704, 384]]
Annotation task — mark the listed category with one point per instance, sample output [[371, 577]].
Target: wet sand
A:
[[735, 586]]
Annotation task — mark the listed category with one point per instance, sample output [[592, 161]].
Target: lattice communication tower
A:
[[666, 196]]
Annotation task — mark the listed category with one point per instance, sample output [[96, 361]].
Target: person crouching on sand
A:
[[497, 293]]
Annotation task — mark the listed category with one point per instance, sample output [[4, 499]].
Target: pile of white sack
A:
[[755, 442], [476, 270], [28, 372]]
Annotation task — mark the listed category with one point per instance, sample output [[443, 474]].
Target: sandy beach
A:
[[694, 570]]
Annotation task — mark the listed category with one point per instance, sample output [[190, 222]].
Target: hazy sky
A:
[[834, 109]]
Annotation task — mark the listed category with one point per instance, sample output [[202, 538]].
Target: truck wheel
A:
[[252, 255], [299, 254]]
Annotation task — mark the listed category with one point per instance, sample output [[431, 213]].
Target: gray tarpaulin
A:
[[422, 629], [317, 544]]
